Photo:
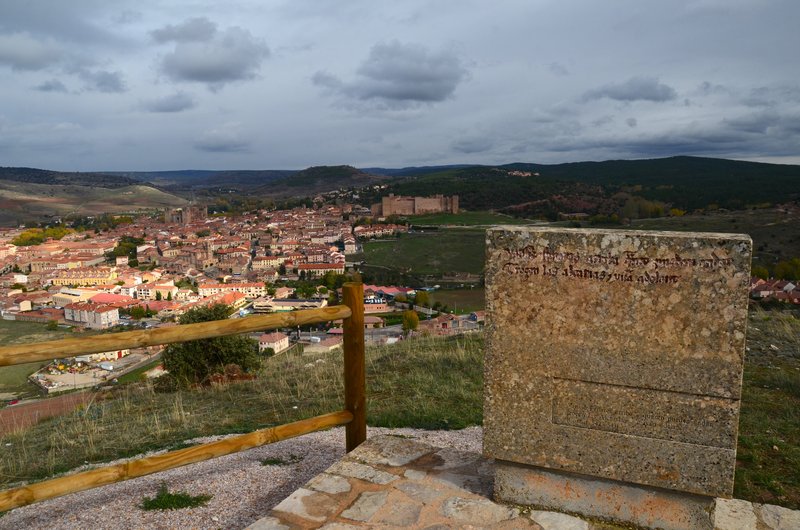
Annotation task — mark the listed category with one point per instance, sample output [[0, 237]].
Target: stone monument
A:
[[614, 370]]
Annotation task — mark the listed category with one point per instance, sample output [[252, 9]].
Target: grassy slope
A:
[[776, 234], [13, 378], [456, 250], [775, 238], [461, 300], [435, 383], [466, 219], [768, 455], [399, 381], [22, 201]]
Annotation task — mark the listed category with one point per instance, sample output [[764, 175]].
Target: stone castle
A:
[[184, 216], [399, 205]]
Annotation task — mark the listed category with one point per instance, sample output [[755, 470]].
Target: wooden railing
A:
[[353, 416]]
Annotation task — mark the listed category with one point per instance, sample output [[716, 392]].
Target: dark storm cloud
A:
[[73, 22], [772, 96], [52, 85], [103, 81], [193, 30], [22, 51], [758, 123], [707, 88], [230, 55], [224, 139], [473, 145], [173, 103], [400, 75], [759, 134], [634, 89]]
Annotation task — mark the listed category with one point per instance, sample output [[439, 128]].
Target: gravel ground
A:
[[243, 489]]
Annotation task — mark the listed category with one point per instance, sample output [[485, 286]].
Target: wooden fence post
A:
[[354, 370]]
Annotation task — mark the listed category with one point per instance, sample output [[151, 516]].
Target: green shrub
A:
[[166, 500], [192, 362]]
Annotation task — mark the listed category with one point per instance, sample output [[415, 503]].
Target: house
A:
[[317, 270], [93, 316], [147, 291], [250, 290], [103, 356], [447, 324], [274, 305], [324, 346], [375, 304], [85, 276], [45, 315], [371, 322], [277, 341], [70, 296]]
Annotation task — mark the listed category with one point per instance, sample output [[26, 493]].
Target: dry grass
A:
[[401, 379], [429, 383]]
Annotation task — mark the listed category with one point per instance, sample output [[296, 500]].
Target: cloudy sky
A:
[[259, 84]]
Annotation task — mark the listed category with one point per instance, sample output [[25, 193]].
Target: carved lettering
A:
[[549, 256], [600, 259], [650, 267], [524, 252]]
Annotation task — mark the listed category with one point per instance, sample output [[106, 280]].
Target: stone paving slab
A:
[[395, 482]]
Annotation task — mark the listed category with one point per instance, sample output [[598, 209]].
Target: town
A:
[[149, 270]]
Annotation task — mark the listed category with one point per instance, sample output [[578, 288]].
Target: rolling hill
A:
[[44, 176], [22, 202], [684, 182]]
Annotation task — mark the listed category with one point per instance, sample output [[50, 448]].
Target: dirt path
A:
[[27, 414]]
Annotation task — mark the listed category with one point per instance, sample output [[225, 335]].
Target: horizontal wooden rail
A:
[[56, 349], [49, 489]]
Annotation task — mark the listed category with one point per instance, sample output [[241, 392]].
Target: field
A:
[[466, 219], [461, 300], [13, 378], [429, 252], [776, 234]]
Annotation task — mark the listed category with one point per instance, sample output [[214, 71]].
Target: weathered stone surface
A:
[[415, 474], [779, 518], [308, 505], [392, 451], [268, 523], [607, 499], [419, 492], [476, 511], [734, 514], [362, 472], [617, 354], [558, 521], [332, 484], [452, 458], [401, 514], [366, 505]]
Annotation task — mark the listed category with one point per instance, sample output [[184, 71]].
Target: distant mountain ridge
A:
[[319, 179], [207, 178], [519, 188], [682, 181], [44, 176]]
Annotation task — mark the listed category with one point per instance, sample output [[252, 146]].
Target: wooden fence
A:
[[353, 416]]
